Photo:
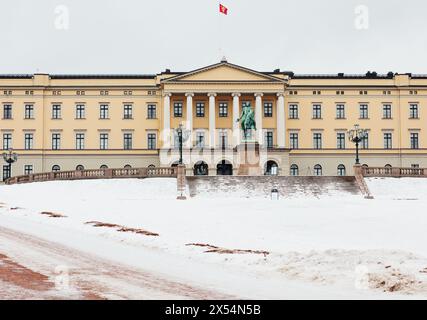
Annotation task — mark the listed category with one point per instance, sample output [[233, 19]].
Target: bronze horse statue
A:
[[247, 120]]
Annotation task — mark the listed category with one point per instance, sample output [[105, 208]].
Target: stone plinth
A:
[[249, 159]]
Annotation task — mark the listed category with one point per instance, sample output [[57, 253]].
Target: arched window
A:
[[364, 165], [80, 167], [175, 164], [341, 170], [201, 168], [151, 166], [104, 166], [271, 168], [128, 166], [56, 168], [294, 171], [317, 170], [388, 168]]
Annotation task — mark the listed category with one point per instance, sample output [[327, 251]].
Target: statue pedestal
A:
[[248, 153]]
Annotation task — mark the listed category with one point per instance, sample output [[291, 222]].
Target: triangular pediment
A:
[[223, 72]]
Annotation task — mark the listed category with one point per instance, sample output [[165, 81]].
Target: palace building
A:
[[67, 122]]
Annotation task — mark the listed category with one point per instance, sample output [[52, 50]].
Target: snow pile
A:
[[398, 188]]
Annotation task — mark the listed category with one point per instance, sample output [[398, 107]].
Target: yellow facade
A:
[[220, 84]]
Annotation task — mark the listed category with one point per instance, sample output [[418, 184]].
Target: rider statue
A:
[[247, 121]]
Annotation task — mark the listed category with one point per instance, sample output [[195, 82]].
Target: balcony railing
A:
[[96, 174], [393, 172]]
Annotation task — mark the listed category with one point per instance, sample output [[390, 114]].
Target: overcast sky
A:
[[139, 36]]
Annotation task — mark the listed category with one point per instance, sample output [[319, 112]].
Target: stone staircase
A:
[[261, 186]]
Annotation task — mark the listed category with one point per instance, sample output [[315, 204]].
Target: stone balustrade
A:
[[96, 174], [393, 172]]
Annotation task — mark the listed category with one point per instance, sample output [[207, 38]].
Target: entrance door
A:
[[224, 168]]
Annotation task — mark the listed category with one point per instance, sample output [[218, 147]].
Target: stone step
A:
[[261, 186]]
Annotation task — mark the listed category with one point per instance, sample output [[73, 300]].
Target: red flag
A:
[[223, 9]]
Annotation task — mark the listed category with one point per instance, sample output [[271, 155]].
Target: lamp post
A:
[[356, 135], [183, 136], [9, 157]]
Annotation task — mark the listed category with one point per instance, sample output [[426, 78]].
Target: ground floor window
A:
[[341, 170], [28, 169], [6, 172], [317, 170], [56, 168], [80, 167], [294, 171], [104, 166]]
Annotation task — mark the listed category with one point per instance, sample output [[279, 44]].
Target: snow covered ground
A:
[[332, 247]]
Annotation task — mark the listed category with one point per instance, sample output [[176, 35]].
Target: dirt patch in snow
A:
[[215, 249], [53, 214], [21, 276], [386, 270], [122, 228]]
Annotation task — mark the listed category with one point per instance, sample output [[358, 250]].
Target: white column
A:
[[281, 132], [190, 118], [212, 119], [258, 117], [236, 114], [166, 119]]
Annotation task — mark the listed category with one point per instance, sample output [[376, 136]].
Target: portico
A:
[[208, 102]]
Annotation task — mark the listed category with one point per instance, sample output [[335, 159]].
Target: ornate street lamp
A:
[[183, 136], [356, 135], [10, 157]]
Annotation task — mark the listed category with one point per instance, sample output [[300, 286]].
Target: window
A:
[[56, 168], [80, 111], [340, 111], [387, 141], [268, 139], [151, 111], [80, 167], [56, 111], [28, 141], [415, 166], [293, 111], [200, 139], [414, 140], [6, 172], [103, 111], [386, 111], [317, 111], [151, 141], [80, 141], [127, 141], [341, 170], [317, 170], [177, 109], [29, 111], [56, 141], [200, 109], [317, 140], [268, 109], [103, 141], [363, 108], [28, 169], [223, 139], [7, 141], [175, 139], [413, 111], [7, 111], [103, 166], [294, 170], [293, 139], [127, 111], [340, 140], [128, 166], [364, 144], [223, 109]]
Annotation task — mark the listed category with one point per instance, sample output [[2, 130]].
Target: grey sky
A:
[[138, 36]]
